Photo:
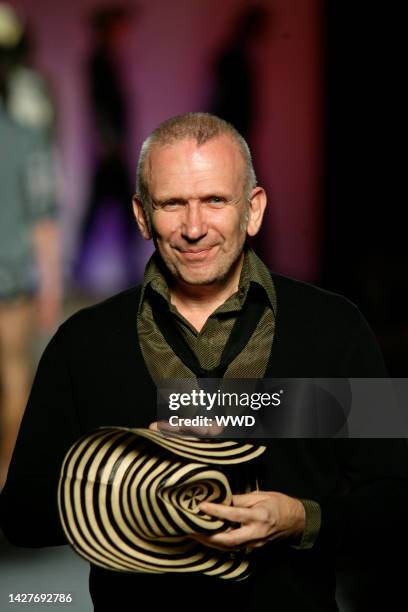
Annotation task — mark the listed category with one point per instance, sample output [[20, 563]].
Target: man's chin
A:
[[198, 281], [200, 277]]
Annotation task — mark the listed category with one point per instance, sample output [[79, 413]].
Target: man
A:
[[198, 199]]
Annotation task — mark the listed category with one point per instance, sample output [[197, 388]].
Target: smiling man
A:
[[209, 307], [199, 204], [202, 210]]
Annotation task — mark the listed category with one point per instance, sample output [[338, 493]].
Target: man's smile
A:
[[195, 254]]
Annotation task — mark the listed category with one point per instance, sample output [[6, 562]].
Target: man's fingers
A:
[[227, 540], [229, 513], [236, 539], [164, 426], [198, 430]]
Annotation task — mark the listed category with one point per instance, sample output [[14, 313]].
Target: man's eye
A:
[[216, 200], [171, 204]]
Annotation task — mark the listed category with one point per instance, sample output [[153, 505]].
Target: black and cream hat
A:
[[128, 500]]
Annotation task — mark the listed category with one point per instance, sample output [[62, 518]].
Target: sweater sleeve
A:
[[28, 504]]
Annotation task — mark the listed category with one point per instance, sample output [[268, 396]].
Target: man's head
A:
[[197, 197], [200, 127]]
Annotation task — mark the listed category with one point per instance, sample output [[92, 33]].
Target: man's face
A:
[[199, 215]]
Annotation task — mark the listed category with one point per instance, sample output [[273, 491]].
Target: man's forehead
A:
[[215, 151]]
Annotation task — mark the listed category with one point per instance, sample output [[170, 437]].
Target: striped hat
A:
[[128, 500]]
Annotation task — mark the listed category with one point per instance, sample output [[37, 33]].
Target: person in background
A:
[[30, 274], [234, 71], [110, 187]]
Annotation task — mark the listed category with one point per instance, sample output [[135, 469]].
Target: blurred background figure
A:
[[111, 187], [234, 71], [235, 76], [30, 279]]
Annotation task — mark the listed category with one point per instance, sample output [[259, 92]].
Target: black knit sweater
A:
[[92, 374]]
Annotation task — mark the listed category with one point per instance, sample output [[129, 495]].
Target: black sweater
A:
[[93, 374]]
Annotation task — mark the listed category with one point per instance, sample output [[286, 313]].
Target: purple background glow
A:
[[167, 70]]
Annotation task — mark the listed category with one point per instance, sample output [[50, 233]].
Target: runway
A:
[[47, 570]]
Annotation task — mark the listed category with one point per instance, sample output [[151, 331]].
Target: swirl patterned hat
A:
[[128, 500]]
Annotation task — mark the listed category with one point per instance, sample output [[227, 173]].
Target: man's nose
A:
[[194, 225]]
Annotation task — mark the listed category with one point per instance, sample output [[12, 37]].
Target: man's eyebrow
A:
[[202, 198], [163, 200]]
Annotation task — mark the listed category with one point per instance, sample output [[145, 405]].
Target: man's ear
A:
[[141, 218], [257, 205]]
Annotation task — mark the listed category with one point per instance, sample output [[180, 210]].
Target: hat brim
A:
[[124, 499]]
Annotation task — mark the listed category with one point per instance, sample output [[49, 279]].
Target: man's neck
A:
[[197, 302]]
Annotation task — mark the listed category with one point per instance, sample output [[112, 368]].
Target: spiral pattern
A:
[[128, 500]]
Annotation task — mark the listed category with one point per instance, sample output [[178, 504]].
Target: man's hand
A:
[[263, 516], [209, 431]]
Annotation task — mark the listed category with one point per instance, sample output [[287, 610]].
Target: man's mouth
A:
[[195, 253], [200, 250]]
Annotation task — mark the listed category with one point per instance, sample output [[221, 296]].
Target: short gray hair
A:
[[200, 127]]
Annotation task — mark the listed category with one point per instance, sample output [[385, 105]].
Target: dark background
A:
[[365, 253]]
